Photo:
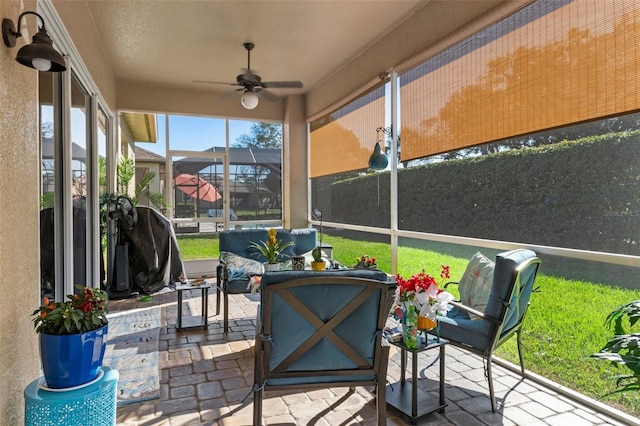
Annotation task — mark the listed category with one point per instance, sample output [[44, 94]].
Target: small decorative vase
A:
[[426, 323], [297, 263], [73, 359], [270, 267], [318, 266]]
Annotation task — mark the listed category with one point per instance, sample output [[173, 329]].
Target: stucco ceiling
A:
[[171, 43]]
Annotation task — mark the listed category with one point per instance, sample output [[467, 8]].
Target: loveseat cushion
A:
[[237, 241], [303, 239]]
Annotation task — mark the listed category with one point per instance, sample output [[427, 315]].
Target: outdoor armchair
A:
[[322, 330], [481, 332]]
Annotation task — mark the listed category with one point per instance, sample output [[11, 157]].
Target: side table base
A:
[[405, 395], [193, 321], [399, 397]]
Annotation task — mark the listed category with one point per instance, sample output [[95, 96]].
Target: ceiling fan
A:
[[252, 85]]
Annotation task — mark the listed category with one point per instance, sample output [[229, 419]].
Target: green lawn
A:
[[565, 323]]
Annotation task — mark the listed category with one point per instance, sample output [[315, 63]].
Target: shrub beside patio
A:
[[565, 323]]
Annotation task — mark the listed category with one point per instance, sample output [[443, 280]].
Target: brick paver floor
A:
[[206, 376]]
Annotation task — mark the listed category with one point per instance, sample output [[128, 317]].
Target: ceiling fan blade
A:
[[230, 94], [282, 84], [215, 82], [267, 95]]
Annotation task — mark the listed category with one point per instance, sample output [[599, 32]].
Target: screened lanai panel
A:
[[548, 65], [344, 140]]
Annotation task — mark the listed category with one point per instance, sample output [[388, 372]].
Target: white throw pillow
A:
[[475, 284], [240, 268]]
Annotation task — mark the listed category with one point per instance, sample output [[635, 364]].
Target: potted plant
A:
[[318, 263], [365, 262], [623, 349], [271, 250], [73, 337]]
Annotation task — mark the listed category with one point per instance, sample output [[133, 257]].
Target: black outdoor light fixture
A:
[[40, 54], [378, 159]]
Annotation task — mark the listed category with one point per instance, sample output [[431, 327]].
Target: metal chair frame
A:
[[500, 335]]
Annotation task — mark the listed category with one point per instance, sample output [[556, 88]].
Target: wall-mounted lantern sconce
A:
[[379, 160], [40, 54]]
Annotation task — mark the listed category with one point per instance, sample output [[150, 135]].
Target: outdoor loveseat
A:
[[239, 261]]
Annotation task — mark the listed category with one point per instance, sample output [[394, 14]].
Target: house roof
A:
[[146, 155], [266, 157]]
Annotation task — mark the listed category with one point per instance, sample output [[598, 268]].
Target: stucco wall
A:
[[79, 24], [19, 230]]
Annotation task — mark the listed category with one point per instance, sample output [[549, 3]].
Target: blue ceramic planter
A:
[[72, 360]]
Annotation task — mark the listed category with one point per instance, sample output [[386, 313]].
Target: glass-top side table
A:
[[408, 399]]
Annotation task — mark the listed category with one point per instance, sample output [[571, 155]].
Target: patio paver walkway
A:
[[205, 375]]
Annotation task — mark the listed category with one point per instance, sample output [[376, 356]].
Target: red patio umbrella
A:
[[196, 187]]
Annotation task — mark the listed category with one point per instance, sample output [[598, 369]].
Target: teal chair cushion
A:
[[289, 328]]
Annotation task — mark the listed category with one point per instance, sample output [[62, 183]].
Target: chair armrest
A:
[[451, 282], [475, 312]]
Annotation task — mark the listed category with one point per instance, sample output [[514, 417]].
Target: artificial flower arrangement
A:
[[365, 262], [272, 248], [83, 312], [418, 300]]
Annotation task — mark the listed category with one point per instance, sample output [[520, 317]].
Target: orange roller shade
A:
[[551, 64], [344, 140]]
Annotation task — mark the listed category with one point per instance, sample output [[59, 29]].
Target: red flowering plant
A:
[[421, 293], [365, 261], [83, 312]]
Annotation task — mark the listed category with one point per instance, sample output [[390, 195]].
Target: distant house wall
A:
[[143, 167]]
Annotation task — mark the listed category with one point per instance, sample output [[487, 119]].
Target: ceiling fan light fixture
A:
[[249, 99], [252, 83]]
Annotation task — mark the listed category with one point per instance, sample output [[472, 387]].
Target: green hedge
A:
[[582, 194]]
